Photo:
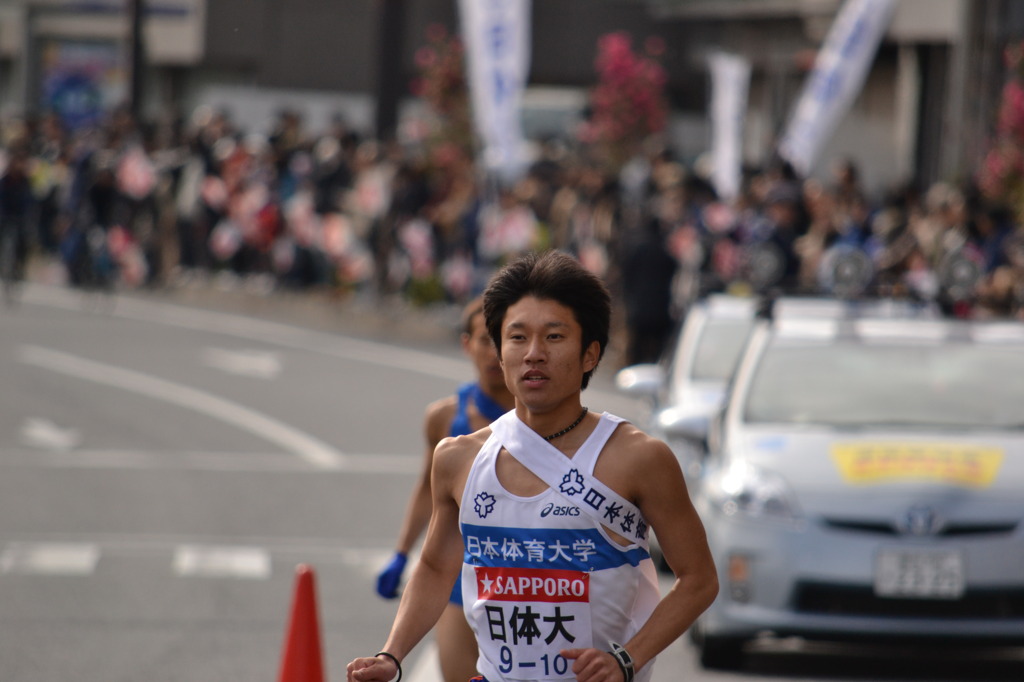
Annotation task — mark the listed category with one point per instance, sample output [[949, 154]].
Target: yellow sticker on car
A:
[[969, 465]]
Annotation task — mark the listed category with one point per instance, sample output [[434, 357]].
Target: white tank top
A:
[[539, 575]]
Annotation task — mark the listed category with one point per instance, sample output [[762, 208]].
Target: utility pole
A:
[[137, 50], [390, 48]]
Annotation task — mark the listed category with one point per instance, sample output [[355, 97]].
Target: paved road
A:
[[165, 468], [168, 458]]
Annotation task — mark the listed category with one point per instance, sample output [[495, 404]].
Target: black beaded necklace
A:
[[570, 427]]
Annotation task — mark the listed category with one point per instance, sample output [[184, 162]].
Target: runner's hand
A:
[[593, 665], [391, 576], [379, 669]]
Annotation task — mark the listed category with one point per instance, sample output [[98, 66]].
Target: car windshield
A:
[[719, 348], [852, 385]]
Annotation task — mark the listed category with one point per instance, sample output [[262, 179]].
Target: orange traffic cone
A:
[[302, 660]]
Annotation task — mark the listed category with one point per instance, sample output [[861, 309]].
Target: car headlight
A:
[[754, 492]]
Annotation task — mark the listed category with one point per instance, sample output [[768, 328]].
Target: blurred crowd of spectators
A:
[[192, 197]]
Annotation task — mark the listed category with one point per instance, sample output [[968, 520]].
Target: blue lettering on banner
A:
[[594, 498], [581, 549], [827, 85], [501, 86], [641, 529], [498, 45], [856, 37], [627, 522], [499, 39]]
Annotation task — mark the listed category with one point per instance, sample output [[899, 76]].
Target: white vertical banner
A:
[[730, 83], [497, 38], [838, 75]]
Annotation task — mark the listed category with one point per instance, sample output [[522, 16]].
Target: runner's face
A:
[[540, 346], [480, 349]]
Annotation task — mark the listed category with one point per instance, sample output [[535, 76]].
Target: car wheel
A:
[[718, 653]]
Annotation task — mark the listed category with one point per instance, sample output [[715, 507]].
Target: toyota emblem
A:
[[921, 520]]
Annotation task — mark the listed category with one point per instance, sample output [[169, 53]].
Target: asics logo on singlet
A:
[[552, 510]]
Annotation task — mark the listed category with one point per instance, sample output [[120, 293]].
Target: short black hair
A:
[[554, 276]]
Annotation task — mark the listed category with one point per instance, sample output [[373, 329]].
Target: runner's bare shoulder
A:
[[458, 451], [632, 455], [633, 444]]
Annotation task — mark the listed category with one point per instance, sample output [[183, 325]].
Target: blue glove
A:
[[387, 581]]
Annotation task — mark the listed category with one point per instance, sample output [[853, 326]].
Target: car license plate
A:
[[919, 574]]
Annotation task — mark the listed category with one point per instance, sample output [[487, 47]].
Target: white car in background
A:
[[687, 389], [865, 481]]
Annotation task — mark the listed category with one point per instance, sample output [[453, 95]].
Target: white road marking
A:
[[50, 558], [250, 563], [243, 362], [43, 433], [286, 336], [240, 557], [311, 449], [248, 462]]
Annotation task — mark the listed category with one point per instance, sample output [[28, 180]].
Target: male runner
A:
[[546, 512], [475, 405]]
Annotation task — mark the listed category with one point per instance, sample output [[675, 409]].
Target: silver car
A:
[[687, 390], [866, 481]]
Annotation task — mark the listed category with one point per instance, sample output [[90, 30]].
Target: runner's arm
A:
[[429, 587], [650, 476], [665, 502], [417, 513]]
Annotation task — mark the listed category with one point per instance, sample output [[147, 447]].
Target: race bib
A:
[[531, 615]]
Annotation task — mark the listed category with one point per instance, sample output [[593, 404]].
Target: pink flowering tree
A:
[[441, 83], [1001, 176], [628, 103], [448, 143]]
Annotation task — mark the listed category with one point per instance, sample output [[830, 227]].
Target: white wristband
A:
[[624, 660]]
